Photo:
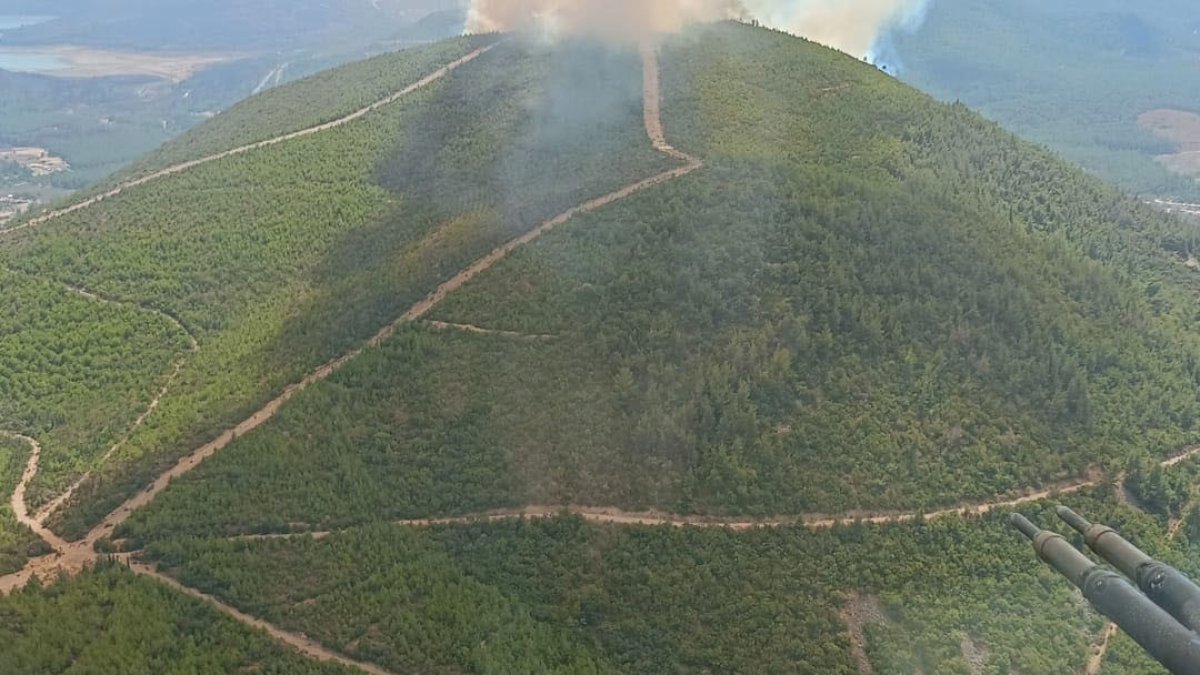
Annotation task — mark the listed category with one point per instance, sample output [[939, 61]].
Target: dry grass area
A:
[[1181, 128], [80, 62], [975, 654], [38, 161]]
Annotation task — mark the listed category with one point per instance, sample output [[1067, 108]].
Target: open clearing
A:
[[80, 62], [1182, 128]]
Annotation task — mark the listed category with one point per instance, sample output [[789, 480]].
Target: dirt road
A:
[[72, 557], [417, 311], [184, 166], [616, 516], [470, 328], [19, 508], [298, 642]]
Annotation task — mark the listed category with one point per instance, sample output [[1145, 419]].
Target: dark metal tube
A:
[[1149, 625], [1166, 586], [1113, 595], [1107, 543], [1055, 550]]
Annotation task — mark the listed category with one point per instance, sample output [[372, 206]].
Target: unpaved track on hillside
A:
[[478, 330], [300, 643], [75, 556], [19, 508], [815, 522], [193, 346], [36, 521], [191, 164], [1096, 663], [70, 558], [66, 557]]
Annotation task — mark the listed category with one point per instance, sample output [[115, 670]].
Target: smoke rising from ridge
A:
[[853, 26]]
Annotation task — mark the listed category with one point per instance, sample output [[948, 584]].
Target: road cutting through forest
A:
[[35, 521], [1096, 663], [191, 164], [19, 507], [70, 558], [414, 313], [816, 522], [300, 643], [479, 330]]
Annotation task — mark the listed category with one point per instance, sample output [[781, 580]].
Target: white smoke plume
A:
[[853, 26], [604, 18]]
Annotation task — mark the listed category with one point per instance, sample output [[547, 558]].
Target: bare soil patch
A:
[[80, 62], [975, 654]]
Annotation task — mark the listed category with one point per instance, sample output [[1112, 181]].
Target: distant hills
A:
[[1075, 75], [101, 123]]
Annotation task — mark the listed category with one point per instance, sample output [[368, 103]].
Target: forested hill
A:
[[836, 296]]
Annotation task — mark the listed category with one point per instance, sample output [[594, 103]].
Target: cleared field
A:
[[72, 61], [1181, 128]]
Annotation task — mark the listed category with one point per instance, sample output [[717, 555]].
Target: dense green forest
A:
[[75, 372], [1073, 74], [585, 598], [864, 301], [109, 621]]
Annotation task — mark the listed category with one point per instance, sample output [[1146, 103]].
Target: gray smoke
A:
[[853, 26]]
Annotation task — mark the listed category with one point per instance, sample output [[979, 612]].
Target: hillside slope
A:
[[864, 301], [502, 287]]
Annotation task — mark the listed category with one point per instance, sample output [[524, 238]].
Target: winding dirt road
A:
[[35, 521], [815, 522], [19, 508], [1096, 663], [417, 311]]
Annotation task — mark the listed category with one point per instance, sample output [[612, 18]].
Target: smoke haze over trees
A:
[[852, 26]]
